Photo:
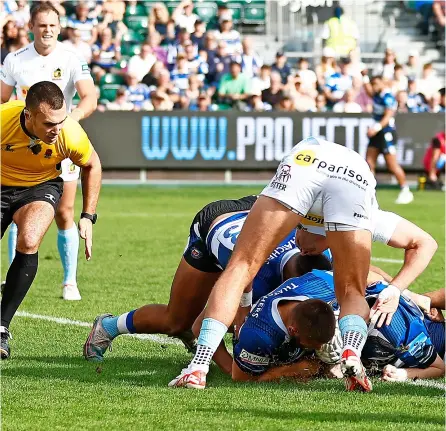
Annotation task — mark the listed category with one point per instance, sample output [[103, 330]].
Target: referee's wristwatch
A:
[[91, 217]]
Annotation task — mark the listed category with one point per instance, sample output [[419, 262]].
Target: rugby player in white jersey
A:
[[46, 59], [325, 180]]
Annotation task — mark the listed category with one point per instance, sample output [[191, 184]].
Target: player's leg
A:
[[405, 196], [33, 220], [189, 293], [12, 242], [68, 235], [371, 157]]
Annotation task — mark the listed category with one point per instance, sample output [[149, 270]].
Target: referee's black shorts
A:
[[13, 198]]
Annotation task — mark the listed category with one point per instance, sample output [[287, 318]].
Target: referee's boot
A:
[[5, 335]]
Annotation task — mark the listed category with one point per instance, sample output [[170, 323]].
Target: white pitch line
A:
[[63, 321], [385, 259], [428, 384]]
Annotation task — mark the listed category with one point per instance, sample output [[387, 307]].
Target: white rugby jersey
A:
[[63, 66]]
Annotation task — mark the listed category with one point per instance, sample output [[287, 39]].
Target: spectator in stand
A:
[[348, 104], [152, 77], [140, 64], [263, 81], [416, 102], [400, 81], [387, 68], [274, 94], [158, 19], [435, 158], [327, 66], [250, 61], [203, 103], [203, 65], [138, 94], [362, 98], [307, 77], [62, 12], [234, 86], [22, 15], [401, 100], [256, 104], [230, 36], [4, 51], [198, 36], [5, 16], [180, 74], [192, 57], [75, 42], [161, 101], [302, 101], [164, 86], [442, 100], [21, 41], [106, 53], [210, 43], [412, 69], [321, 103], [178, 47], [222, 12], [154, 40], [219, 63], [429, 84], [340, 33], [434, 103], [121, 102], [193, 90], [286, 105], [10, 33], [439, 10], [87, 26], [281, 66], [338, 83], [184, 17], [170, 36]]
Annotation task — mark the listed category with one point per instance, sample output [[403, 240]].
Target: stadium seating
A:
[[138, 9], [206, 10], [130, 48], [109, 86], [132, 36], [236, 9], [137, 22], [254, 13]]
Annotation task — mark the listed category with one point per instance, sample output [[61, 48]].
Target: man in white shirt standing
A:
[[139, 65], [76, 44], [46, 59], [184, 17]]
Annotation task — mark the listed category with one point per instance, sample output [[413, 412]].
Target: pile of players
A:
[[287, 324]]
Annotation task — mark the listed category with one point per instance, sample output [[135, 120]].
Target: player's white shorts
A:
[[328, 184], [70, 172]]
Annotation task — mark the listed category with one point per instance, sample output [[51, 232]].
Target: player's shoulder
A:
[[73, 133], [9, 109], [20, 55]]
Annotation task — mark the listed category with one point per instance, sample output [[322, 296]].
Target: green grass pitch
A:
[[138, 241]]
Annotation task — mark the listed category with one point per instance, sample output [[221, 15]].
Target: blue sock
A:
[[117, 325], [68, 245], [12, 242], [354, 332], [211, 333]]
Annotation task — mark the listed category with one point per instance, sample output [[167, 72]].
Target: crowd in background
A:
[[185, 63]]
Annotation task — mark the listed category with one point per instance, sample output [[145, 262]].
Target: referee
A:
[[36, 136], [46, 59]]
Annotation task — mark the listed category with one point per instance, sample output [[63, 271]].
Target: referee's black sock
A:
[[19, 278]]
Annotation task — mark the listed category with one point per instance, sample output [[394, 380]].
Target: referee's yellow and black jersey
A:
[[25, 161]]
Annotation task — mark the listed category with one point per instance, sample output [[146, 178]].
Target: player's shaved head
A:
[[44, 92], [314, 321]]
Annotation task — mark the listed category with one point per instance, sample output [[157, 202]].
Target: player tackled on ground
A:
[[36, 136]]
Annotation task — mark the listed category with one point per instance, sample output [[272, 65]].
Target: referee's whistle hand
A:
[[86, 233]]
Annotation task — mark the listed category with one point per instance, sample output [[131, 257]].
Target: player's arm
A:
[[393, 374], [302, 370], [438, 298], [7, 81], [88, 102], [436, 153], [378, 274]]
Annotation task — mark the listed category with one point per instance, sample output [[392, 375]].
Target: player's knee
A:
[[64, 215], [28, 242]]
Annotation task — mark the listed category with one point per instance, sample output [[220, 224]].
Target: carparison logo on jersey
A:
[[308, 158]]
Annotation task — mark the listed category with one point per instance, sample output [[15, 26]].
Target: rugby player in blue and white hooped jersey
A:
[[382, 134], [411, 346]]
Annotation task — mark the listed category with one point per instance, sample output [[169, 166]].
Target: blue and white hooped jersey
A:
[[264, 341], [405, 342], [221, 241], [381, 102]]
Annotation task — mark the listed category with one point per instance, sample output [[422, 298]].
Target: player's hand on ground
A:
[[393, 374], [86, 233], [385, 306]]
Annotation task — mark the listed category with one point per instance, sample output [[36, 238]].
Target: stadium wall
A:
[[235, 141]]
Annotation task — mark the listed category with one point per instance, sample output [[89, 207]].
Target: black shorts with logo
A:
[[384, 141], [13, 198], [196, 253]]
